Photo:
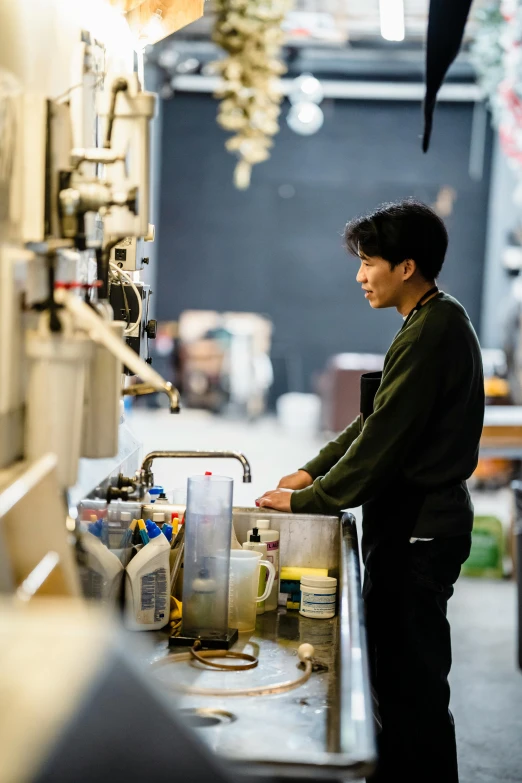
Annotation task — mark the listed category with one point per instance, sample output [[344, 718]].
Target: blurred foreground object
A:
[[73, 687], [152, 20], [35, 552]]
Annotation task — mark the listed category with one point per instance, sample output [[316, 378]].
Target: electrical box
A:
[[125, 306], [131, 253], [125, 256]]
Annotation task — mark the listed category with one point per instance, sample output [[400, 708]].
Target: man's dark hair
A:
[[395, 232]]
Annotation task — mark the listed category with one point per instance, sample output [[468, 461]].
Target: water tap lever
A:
[[146, 467], [138, 389]]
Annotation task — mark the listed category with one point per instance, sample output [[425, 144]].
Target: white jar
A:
[[318, 596]]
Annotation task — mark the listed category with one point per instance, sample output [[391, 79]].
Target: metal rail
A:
[[356, 730]]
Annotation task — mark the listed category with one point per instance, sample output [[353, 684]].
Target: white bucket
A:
[[299, 413]]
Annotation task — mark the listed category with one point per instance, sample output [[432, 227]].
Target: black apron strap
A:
[[422, 300], [370, 383]]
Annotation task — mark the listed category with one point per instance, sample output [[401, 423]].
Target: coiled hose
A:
[[305, 653]]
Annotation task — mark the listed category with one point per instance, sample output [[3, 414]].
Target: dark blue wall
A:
[[224, 249]]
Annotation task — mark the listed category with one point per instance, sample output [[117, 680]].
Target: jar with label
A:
[[318, 596]]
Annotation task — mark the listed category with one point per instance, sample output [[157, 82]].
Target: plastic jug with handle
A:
[[243, 588]]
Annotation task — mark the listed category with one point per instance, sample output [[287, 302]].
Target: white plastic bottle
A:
[[147, 584], [153, 494], [103, 571], [255, 544], [271, 539]]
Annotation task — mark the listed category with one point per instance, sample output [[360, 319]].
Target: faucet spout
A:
[[138, 389], [146, 467]]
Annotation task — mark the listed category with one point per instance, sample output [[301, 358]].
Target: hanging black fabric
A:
[[370, 383], [446, 23]]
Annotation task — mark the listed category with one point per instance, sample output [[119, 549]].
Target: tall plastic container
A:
[[208, 531], [57, 365], [102, 401]]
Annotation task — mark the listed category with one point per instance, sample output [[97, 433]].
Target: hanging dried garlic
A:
[[250, 32]]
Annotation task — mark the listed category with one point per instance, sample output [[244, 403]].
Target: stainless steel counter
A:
[[323, 729]]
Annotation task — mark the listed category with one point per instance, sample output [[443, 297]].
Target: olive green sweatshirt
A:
[[423, 433]]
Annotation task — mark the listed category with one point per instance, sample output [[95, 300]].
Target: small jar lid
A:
[[125, 516], [319, 581], [158, 517], [262, 524]]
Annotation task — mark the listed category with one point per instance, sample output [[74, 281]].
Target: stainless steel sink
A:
[[324, 729], [306, 540]]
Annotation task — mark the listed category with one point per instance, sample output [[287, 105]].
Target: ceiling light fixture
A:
[[392, 19], [305, 118]]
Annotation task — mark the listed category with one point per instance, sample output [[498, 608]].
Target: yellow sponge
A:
[[294, 573]]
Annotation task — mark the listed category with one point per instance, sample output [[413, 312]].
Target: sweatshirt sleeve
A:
[[402, 407], [333, 451]]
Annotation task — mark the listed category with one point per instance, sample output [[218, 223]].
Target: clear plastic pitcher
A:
[[243, 591], [208, 530]]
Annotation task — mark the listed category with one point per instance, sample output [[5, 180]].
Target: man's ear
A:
[[409, 268]]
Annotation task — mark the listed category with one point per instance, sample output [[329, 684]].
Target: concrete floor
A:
[[486, 685]]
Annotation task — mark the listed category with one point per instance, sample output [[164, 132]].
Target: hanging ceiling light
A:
[[168, 58], [305, 118], [306, 88], [392, 19], [188, 65], [166, 92]]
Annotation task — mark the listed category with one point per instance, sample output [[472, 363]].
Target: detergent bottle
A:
[[147, 584]]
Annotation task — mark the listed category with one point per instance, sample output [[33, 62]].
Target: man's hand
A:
[[298, 480], [276, 498]]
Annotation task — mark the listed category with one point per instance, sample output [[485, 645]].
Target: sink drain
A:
[[205, 718]]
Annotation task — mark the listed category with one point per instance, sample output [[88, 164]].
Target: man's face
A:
[[382, 285]]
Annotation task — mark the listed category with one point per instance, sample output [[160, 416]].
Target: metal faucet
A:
[[146, 467], [138, 389]]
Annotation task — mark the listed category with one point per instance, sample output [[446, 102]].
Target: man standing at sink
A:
[[406, 460]]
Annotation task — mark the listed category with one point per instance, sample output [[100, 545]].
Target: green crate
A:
[[487, 549]]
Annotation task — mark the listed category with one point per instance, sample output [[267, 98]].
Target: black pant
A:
[[406, 595]]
